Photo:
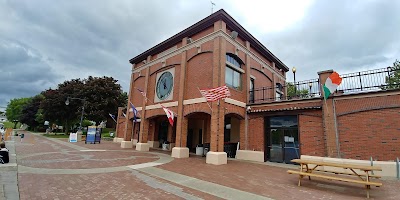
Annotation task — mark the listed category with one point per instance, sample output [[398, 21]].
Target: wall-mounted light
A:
[[234, 34], [248, 109]]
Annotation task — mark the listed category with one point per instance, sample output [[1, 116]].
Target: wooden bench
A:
[[335, 178], [349, 174], [364, 178]]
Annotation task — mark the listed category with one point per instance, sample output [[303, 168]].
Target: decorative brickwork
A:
[[312, 141]]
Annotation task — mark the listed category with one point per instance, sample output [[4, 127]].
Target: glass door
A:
[[276, 145], [291, 145], [282, 139]]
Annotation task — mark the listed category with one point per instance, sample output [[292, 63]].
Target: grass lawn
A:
[[11, 125], [105, 132], [56, 136]]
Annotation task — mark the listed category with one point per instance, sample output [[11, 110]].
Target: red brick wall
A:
[[369, 126], [121, 127], [198, 74], [311, 133], [256, 133], [202, 33]]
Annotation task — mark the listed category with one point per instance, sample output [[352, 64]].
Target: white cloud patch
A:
[[44, 42]]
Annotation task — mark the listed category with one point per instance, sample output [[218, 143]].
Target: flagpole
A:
[[323, 96], [205, 98], [112, 117]]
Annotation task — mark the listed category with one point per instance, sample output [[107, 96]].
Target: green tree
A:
[[54, 108], [292, 92], [29, 111], [14, 109], [104, 96], [393, 79]]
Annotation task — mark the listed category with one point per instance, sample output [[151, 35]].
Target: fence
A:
[[365, 81]]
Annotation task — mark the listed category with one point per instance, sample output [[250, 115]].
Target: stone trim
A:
[[194, 101], [205, 39], [235, 102], [170, 104]]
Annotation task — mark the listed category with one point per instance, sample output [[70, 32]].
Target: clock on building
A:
[[164, 85]]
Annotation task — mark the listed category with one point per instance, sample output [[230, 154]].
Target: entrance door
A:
[[162, 133], [276, 145], [189, 142], [282, 137]]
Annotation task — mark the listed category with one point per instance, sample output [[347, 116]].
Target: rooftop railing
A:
[[365, 81]]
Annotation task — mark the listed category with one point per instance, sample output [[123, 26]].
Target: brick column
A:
[[142, 145], [127, 143], [181, 151], [328, 118], [244, 137], [217, 156], [242, 140]]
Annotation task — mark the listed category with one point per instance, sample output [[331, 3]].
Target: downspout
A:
[[336, 129]]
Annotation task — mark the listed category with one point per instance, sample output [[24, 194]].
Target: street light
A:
[[294, 80], [83, 108]]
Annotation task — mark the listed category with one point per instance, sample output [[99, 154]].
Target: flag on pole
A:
[[135, 112], [170, 115], [143, 93], [331, 83], [113, 117], [216, 93]]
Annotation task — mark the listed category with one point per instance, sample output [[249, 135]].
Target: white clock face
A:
[[164, 85]]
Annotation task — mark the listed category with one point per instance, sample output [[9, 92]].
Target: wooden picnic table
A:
[[311, 168]]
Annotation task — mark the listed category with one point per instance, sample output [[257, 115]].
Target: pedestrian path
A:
[[8, 175], [68, 144], [200, 185]]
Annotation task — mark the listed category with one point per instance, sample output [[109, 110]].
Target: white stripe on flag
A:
[[216, 93]]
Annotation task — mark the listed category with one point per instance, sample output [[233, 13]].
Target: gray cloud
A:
[[54, 41], [23, 71], [346, 36]]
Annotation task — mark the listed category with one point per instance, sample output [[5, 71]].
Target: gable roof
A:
[[205, 23]]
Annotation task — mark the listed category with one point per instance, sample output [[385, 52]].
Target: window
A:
[[279, 93], [233, 76], [252, 90]]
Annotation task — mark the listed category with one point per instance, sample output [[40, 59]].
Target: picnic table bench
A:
[[310, 168]]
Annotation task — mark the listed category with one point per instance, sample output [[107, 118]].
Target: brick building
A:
[[259, 116]]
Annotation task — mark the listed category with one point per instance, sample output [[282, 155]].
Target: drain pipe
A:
[[372, 164], [336, 129], [398, 168]]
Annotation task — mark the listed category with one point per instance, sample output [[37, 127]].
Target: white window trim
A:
[[234, 67]]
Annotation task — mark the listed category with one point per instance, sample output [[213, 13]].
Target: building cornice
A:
[[205, 39], [204, 24]]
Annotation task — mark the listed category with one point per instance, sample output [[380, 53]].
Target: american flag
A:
[[216, 93], [135, 112], [143, 93]]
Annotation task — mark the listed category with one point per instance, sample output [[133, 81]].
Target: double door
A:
[[282, 139]]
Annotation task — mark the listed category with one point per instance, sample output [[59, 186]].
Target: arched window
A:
[[233, 72]]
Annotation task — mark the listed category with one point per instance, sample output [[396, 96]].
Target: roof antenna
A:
[[212, 6]]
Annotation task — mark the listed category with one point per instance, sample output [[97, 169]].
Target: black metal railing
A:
[[289, 91], [371, 80], [365, 81]]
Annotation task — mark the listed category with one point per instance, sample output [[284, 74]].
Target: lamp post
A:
[[83, 108], [294, 80]]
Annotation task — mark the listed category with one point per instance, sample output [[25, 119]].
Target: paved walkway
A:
[[55, 169], [8, 175]]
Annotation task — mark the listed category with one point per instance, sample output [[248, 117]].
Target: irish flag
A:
[[331, 83]]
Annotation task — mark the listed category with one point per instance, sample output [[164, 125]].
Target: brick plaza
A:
[[56, 169]]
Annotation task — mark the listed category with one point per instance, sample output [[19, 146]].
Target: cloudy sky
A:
[[45, 42]]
